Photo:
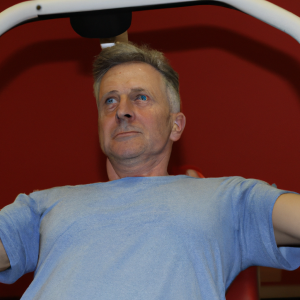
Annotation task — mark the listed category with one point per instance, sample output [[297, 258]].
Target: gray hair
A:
[[128, 52]]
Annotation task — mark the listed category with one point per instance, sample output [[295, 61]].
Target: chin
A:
[[127, 153]]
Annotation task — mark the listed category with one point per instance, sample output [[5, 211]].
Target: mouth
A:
[[126, 133]]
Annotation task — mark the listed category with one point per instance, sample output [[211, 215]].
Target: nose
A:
[[125, 110]]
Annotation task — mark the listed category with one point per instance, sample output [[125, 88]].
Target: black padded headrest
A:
[[101, 24]]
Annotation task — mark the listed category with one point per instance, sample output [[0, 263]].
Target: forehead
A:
[[132, 75]]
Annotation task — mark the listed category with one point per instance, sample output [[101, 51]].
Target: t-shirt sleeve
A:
[[255, 200], [19, 233]]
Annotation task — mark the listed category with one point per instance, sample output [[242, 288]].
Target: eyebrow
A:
[[111, 92], [138, 90]]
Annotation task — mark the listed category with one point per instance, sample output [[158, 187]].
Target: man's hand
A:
[[286, 220], [4, 261]]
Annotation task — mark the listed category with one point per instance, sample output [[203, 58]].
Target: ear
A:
[[179, 122]]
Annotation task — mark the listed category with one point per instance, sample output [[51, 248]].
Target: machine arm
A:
[[45, 9]]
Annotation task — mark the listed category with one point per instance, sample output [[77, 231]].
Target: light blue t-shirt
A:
[[149, 238]]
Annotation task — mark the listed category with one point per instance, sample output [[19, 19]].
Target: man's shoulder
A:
[[63, 189], [48, 197]]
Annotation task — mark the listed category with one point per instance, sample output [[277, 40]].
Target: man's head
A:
[[127, 52], [137, 121]]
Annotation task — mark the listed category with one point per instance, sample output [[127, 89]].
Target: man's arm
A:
[[4, 261], [285, 217], [286, 220]]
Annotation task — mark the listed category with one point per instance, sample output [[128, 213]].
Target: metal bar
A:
[[260, 9]]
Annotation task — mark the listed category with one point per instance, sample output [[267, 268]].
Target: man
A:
[[145, 234]]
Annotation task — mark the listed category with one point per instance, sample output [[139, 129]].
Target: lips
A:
[[125, 133], [124, 130]]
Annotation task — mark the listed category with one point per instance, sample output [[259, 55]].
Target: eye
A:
[[110, 101], [142, 97]]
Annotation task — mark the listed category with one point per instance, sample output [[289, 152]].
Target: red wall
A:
[[239, 86]]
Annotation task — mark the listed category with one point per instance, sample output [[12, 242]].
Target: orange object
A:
[[182, 170]]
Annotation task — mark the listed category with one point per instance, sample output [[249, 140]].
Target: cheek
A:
[[158, 124], [103, 127], [100, 134]]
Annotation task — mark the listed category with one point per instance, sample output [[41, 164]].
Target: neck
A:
[[118, 170]]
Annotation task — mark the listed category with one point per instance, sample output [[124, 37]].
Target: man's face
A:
[[134, 113]]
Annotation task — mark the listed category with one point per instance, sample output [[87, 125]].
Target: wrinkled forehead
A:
[[133, 75]]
